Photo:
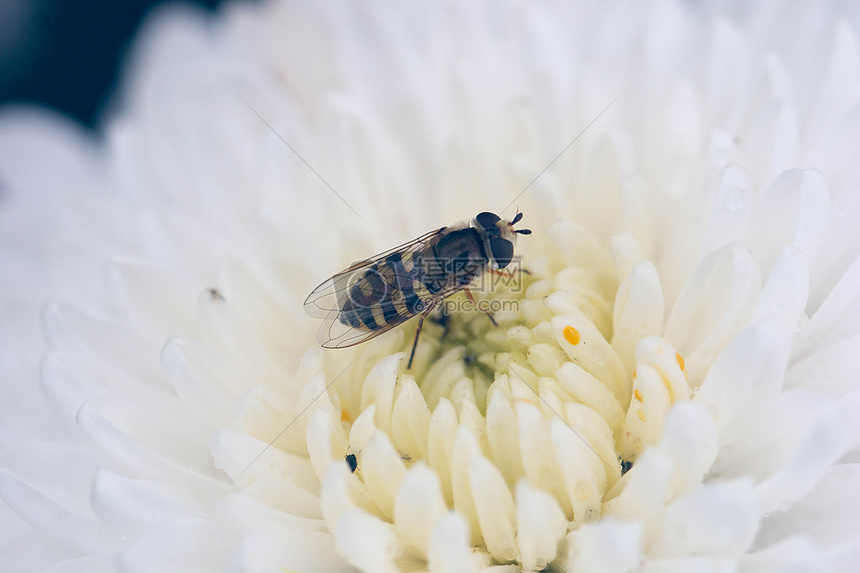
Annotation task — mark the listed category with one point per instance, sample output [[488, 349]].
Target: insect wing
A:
[[329, 299], [333, 333]]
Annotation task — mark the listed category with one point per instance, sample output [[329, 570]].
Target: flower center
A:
[[547, 409]]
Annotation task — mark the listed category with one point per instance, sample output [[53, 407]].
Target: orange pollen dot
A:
[[641, 415], [344, 416], [680, 360], [637, 394], [571, 335]]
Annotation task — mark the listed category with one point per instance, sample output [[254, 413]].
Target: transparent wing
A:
[[325, 301], [335, 334]]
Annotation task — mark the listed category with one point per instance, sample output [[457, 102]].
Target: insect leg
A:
[[475, 303], [418, 331]]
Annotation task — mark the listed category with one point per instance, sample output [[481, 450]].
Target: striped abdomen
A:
[[391, 291]]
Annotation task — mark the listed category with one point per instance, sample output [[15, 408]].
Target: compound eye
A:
[[487, 219], [503, 251]]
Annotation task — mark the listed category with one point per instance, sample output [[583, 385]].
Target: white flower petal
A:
[[733, 520], [748, 371], [440, 445], [378, 389], [541, 524], [202, 377], [449, 549], [794, 210], [362, 430], [117, 345], [73, 529], [652, 398], [382, 470], [419, 505], [714, 306], [266, 415], [834, 434], [829, 370], [690, 439], [276, 540], [134, 456], [839, 89], [588, 390], [241, 290], [835, 320], [286, 480], [584, 470], [784, 296], [102, 563], [643, 489], [341, 492], [228, 329], [182, 545], [154, 297], [464, 449], [581, 341], [367, 542], [597, 434], [295, 549], [793, 554], [410, 420], [130, 507], [827, 516], [69, 381], [732, 213], [638, 311], [495, 508], [502, 438], [688, 565], [538, 455], [610, 546], [758, 445], [326, 440]]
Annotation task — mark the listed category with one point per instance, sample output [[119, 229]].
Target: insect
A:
[[375, 295], [352, 461]]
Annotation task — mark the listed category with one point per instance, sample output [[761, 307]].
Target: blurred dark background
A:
[[66, 53]]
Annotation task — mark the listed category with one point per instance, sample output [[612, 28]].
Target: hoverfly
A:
[[375, 295]]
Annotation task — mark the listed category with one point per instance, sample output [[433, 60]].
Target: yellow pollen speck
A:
[[344, 416], [680, 360], [637, 394], [641, 415], [571, 335]]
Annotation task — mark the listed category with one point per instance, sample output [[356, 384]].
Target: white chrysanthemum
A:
[[692, 311]]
